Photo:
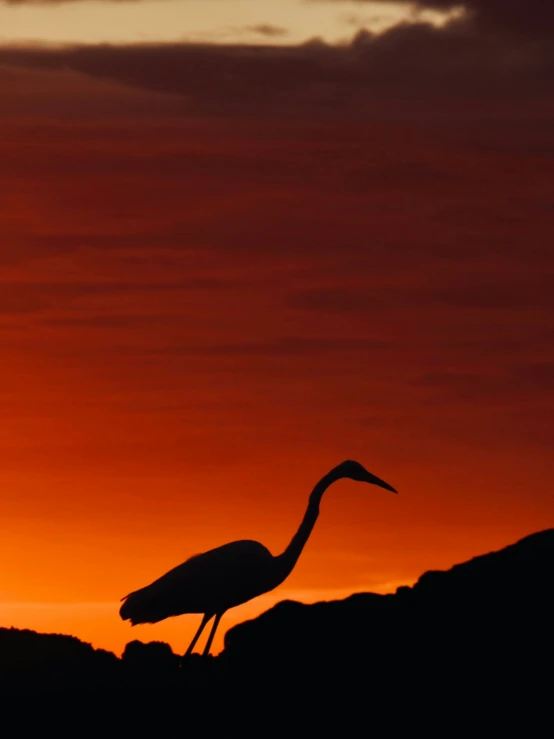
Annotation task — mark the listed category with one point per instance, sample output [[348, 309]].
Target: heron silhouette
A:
[[225, 577]]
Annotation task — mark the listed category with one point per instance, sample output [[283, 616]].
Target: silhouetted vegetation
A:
[[476, 637]]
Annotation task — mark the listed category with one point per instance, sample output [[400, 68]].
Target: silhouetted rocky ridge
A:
[[478, 633]]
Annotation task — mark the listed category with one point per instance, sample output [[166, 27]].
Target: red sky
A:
[[203, 310]]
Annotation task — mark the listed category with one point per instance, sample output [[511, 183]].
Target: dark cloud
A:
[[43, 88], [266, 29], [511, 295], [31, 297], [515, 296], [533, 18], [465, 385], [288, 347], [339, 299], [110, 321], [514, 381], [411, 69]]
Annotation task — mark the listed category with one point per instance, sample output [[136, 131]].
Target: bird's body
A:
[[232, 574], [219, 579]]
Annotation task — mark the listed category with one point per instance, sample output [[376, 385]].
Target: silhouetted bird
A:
[[225, 577]]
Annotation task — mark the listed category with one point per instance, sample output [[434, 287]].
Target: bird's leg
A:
[[212, 634], [205, 618]]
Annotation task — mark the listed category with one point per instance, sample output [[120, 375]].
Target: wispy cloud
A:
[[267, 29]]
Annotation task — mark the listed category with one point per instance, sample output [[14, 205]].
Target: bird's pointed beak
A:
[[374, 480]]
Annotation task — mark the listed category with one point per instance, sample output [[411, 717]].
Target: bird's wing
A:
[[218, 566], [206, 583]]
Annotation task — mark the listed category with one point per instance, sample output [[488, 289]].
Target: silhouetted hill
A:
[[473, 640], [483, 600], [32, 661]]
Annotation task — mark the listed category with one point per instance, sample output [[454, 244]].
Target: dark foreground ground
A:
[[469, 650]]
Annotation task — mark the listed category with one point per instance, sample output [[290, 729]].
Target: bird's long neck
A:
[[285, 562]]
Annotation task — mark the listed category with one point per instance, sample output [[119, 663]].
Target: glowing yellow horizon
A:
[[273, 22]]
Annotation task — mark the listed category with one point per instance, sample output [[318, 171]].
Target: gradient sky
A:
[[226, 268]]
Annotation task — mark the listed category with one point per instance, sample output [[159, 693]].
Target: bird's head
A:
[[355, 471]]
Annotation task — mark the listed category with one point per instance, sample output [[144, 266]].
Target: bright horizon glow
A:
[[198, 21], [99, 624]]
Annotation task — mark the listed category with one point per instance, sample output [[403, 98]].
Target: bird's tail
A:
[[127, 611], [138, 608]]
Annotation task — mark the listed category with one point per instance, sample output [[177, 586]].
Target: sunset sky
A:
[[241, 241]]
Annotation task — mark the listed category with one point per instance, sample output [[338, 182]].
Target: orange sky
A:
[[199, 321], [203, 309]]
